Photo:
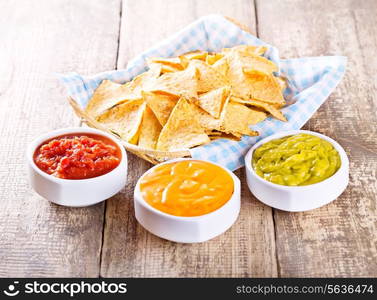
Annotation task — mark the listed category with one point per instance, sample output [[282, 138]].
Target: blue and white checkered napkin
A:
[[310, 81]]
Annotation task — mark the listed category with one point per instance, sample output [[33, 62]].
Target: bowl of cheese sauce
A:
[[187, 200]]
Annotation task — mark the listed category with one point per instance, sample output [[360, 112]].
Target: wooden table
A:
[[41, 239]]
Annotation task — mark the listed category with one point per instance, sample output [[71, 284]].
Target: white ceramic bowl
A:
[[298, 198], [76, 193], [187, 229]]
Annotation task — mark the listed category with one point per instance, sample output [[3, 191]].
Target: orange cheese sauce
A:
[[187, 188]]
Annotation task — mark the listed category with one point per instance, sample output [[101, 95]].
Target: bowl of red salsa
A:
[[77, 166]]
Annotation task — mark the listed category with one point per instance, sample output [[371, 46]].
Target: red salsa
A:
[[78, 156]]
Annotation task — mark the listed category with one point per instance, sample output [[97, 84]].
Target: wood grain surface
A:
[[339, 239], [38, 238], [41, 239]]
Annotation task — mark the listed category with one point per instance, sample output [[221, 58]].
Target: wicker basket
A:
[[153, 156]]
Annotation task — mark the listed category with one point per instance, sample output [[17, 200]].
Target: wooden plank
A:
[[339, 239], [38, 238], [248, 248]]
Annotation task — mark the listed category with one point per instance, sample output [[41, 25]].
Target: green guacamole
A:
[[300, 159]]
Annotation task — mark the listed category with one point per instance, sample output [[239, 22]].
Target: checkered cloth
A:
[[310, 82]]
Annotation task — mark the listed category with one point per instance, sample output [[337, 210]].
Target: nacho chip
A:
[[150, 129], [183, 83], [221, 66], [144, 81], [247, 49], [238, 117], [132, 89], [241, 87], [264, 87], [208, 122], [209, 78], [173, 62], [282, 83], [213, 101], [161, 105], [253, 62], [164, 68], [216, 135], [184, 61], [253, 84], [124, 119], [267, 107], [212, 58], [107, 95], [182, 131], [196, 55]]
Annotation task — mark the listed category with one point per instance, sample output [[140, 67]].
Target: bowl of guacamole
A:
[[297, 170], [296, 160]]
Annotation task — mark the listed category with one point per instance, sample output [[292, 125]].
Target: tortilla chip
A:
[[150, 129], [212, 58], [208, 122], [253, 62], [216, 135], [246, 49], [241, 87], [124, 119], [161, 105], [173, 62], [209, 78], [238, 117], [184, 61], [213, 101], [282, 83], [182, 131], [132, 89], [267, 107], [253, 84], [264, 87], [107, 95], [183, 83], [164, 68], [221, 66], [202, 55], [144, 81]]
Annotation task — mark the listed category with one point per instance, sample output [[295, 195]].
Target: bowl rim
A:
[[138, 197], [36, 142], [342, 154]]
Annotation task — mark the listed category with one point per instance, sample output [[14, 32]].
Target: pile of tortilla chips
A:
[[186, 101]]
